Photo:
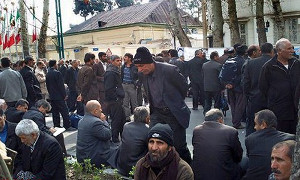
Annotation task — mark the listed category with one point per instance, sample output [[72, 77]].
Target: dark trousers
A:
[[209, 96], [179, 132], [60, 139], [73, 104], [288, 126], [251, 109], [118, 119], [198, 94], [103, 102], [60, 106], [237, 102]]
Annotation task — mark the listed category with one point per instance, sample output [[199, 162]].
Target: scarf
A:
[[169, 164], [113, 68]]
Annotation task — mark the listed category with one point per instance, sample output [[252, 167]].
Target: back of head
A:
[[251, 50], [5, 62], [241, 50], [91, 105], [213, 55], [43, 103], [88, 57], [114, 57], [141, 114], [266, 116], [213, 115], [266, 48], [26, 127], [21, 102], [173, 52], [52, 63]]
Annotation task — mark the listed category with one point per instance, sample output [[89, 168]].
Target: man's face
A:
[[145, 68], [31, 63], [103, 58], [257, 52], [257, 126], [280, 163], [286, 52], [28, 140], [200, 54], [117, 62], [158, 149], [75, 64], [22, 108], [126, 59], [2, 122], [41, 65]]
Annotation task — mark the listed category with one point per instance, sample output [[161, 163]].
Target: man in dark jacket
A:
[[34, 92], [259, 145], [278, 80], [71, 79], [42, 157], [134, 140], [255, 100], [57, 93], [94, 136], [15, 114], [167, 89], [129, 76], [114, 95], [217, 147], [196, 77]]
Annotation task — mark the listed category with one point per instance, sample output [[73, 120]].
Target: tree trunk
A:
[[278, 17], [204, 23], [178, 31], [43, 31], [24, 30], [295, 174], [260, 22], [217, 30], [233, 23]]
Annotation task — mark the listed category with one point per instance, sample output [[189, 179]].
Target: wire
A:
[[37, 18]]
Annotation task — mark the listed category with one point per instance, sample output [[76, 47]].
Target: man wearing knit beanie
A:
[[167, 88], [162, 160]]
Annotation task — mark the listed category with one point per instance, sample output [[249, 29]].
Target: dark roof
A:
[[156, 12]]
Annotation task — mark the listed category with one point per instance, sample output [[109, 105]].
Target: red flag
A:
[[11, 40], [33, 35], [5, 42], [18, 38], [0, 39]]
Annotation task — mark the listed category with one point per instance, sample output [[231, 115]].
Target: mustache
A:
[[276, 171]]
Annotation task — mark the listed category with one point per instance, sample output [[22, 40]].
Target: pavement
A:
[[196, 119]]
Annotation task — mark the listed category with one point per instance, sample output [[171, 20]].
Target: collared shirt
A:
[[155, 84], [3, 134], [104, 65], [33, 145]]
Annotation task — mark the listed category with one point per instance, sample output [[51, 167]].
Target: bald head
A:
[[92, 105]]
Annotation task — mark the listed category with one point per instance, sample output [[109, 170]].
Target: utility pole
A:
[[60, 38]]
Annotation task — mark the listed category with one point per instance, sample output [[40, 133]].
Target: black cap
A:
[[143, 56], [162, 132]]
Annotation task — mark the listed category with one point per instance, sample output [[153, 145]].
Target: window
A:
[[291, 30], [243, 34]]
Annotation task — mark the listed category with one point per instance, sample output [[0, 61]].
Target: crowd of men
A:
[[264, 93]]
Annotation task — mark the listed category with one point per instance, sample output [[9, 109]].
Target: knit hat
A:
[[162, 132], [143, 56]]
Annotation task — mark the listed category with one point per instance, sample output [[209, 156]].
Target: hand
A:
[[102, 117], [52, 130], [79, 97], [229, 86]]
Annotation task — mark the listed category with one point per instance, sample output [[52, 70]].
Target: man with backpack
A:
[[230, 76]]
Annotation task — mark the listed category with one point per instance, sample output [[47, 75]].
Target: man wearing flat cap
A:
[[162, 160], [167, 88]]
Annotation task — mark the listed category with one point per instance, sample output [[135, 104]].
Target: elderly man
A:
[[42, 157], [266, 136], [167, 89], [94, 136], [253, 51], [162, 160], [12, 84], [15, 114], [282, 160], [217, 147], [278, 80], [134, 140], [114, 95]]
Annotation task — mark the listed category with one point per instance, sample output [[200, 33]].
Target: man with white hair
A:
[[278, 80], [42, 157]]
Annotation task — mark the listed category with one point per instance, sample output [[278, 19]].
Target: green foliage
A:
[[90, 8], [124, 3], [131, 173]]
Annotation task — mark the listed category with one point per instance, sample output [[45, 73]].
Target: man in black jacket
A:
[[57, 93], [70, 80], [259, 145], [15, 114], [255, 100], [278, 80], [114, 95], [34, 92]]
